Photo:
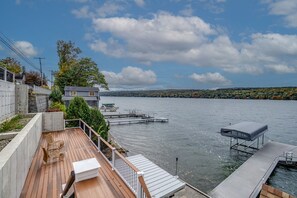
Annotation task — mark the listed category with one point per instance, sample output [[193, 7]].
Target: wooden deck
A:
[[46, 180]]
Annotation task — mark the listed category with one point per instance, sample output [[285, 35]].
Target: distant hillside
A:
[[274, 93]]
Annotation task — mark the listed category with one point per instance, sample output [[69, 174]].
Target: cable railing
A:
[[125, 169]]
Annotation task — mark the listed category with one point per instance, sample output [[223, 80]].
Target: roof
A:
[[87, 98], [72, 88], [159, 182], [244, 130]]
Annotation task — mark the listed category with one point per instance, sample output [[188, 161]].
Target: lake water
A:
[[191, 134]]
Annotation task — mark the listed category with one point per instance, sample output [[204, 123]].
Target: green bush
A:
[[57, 106], [97, 122], [56, 95], [78, 108]]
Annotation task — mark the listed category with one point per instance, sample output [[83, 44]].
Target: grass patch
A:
[[12, 124]]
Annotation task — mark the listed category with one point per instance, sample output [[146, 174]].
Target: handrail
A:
[[126, 161], [143, 187], [69, 183]]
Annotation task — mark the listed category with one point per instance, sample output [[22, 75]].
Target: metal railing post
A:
[[84, 127], [90, 133], [139, 187], [79, 123], [113, 158], [98, 142]]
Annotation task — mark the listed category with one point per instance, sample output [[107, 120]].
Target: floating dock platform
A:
[[136, 121], [131, 118], [123, 115], [248, 179]]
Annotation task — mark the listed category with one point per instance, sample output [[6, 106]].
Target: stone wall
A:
[[38, 102], [7, 100], [16, 158]]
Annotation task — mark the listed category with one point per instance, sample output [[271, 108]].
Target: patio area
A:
[[46, 180]]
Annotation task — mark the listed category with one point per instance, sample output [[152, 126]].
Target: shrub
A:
[[56, 95], [78, 108], [57, 106], [97, 122]]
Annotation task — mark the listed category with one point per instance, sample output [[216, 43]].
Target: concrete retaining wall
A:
[[16, 158], [21, 92], [7, 100], [52, 121]]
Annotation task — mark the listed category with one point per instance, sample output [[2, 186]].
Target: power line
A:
[[10, 44]]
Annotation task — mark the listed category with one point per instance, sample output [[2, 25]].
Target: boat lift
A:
[[244, 136]]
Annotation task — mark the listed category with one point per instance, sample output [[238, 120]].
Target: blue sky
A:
[[141, 44]]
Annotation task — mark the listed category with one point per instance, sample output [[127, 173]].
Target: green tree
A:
[[74, 71], [56, 95], [67, 53], [11, 64], [97, 122], [78, 108]]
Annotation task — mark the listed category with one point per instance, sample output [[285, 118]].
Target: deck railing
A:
[[125, 169], [6, 75]]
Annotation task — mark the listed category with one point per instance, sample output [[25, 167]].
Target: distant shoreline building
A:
[[89, 94]]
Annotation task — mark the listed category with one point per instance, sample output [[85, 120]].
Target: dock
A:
[[131, 118], [136, 121], [247, 180], [123, 115]]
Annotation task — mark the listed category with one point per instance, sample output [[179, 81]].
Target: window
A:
[[73, 93], [92, 93]]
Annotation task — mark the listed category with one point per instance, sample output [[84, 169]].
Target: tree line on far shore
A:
[[273, 93]]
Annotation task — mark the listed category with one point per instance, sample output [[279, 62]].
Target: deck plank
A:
[[46, 180]]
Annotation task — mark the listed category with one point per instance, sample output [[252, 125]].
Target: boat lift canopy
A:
[[248, 131]]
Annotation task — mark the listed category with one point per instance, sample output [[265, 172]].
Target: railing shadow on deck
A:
[[132, 177]]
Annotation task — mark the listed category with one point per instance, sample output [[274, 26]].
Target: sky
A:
[[162, 44]]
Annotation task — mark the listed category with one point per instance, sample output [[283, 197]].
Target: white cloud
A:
[[83, 12], [187, 11], [140, 3], [286, 8], [26, 47], [281, 69], [130, 77], [191, 41], [210, 78], [109, 8]]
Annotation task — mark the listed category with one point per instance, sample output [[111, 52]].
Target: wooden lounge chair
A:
[[53, 145], [51, 155]]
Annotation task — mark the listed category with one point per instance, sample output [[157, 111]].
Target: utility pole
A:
[[40, 68], [52, 82]]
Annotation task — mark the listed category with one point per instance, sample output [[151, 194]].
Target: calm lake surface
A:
[[191, 135]]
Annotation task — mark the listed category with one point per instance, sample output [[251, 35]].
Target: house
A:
[[90, 94]]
